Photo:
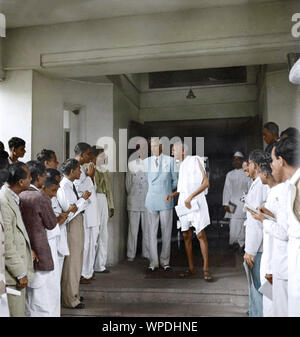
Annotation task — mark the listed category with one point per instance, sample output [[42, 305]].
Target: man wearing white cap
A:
[[236, 184]]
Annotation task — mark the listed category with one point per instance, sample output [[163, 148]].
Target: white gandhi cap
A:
[[238, 154]]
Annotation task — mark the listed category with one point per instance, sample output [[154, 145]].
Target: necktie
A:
[[77, 196], [74, 189], [156, 162]]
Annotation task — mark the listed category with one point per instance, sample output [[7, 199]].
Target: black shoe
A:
[[81, 298], [241, 251], [150, 270], [79, 306]]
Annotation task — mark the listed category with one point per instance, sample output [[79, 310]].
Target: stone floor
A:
[[128, 291]]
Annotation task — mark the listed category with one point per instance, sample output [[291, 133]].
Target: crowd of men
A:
[[53, 228], [264, 210], [54, 223]]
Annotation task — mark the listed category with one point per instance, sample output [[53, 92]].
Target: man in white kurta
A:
[[276, 203], [286, 167], [236, 184], [255, 198], [90, 222], [294, 246], [62, 241], [136, 188]]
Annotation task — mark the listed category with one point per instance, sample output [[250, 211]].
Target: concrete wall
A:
[[1, 62], [222, 101], [49, 98], [217, 102], [124, 111], [16, 108], [282, 100], [256, 33]]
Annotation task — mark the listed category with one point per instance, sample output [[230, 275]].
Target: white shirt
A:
[[62, 241], [236, 184], [66, 197], [256, 197], [294, 225], [276, 203]]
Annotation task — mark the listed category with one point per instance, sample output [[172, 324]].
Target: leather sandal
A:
[[207, 276]]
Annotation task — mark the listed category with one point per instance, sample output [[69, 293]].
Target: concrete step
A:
[[93, 309], [167, 295]]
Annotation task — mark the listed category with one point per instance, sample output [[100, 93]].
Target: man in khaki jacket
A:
[[4, 312], [18, 256]]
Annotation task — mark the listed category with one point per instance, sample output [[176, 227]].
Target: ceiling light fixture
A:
[[190, 94]]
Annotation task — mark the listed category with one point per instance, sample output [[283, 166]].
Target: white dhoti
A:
[[165, 218], [280, 297], [91, 230], [61, 259], [62, 248], [4, 310], [237, 231], [102, 237], [293, 277], [198, 219], [135, 217], [43, 294], [265, 268]]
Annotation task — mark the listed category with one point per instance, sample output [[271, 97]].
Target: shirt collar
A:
[[66, 181], [295, 177], [13, 194], [34, 187]]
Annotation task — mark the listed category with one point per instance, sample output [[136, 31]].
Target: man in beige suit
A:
[[4, 312], [18, 255]]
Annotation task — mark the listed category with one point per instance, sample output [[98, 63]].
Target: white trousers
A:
[[280, 297], [89, 251], [237, 231], [165, 218], [133, 229], [102, 237]]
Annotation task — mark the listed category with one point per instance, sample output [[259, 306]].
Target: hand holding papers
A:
[[13, 291], [261, 211], [182, 210], [266, 289]]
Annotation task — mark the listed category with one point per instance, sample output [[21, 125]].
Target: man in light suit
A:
[[18, 255], [162, 181], [4, 311]]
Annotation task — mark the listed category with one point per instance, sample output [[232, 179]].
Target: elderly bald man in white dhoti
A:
[[192, 206]]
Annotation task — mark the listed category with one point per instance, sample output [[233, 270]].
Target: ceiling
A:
[[20, 13]]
